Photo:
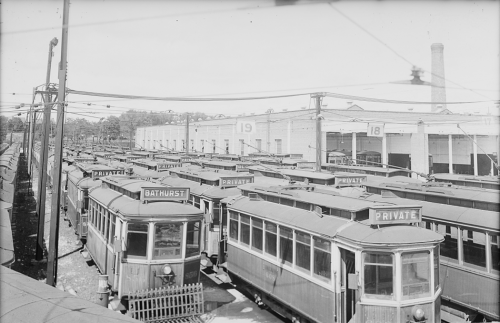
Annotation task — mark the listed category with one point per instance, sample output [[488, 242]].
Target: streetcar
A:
[[235, 166], [334, 258], [156, 165], [370, 170], [488, 182], [142, 235], [78, 184], [443, 193]]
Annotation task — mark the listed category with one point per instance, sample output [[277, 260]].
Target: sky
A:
[[253, 48]]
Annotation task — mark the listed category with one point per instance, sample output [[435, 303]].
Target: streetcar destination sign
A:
[[235, 181], [350, 180], [97, 173], [164, 194], [396, 214], [163, 166], [84, 159]]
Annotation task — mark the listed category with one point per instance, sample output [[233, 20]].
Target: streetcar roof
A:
[[329, 198], [459, 192], [129, 207], [467, 178], [447, 213]]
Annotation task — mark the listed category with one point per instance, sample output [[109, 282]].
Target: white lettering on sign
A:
[[247, 127], [100, 173], [395, 215], [164, 193], [235, 181], [375, 130], [344, 181]]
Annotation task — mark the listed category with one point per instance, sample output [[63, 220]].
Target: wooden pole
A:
[[56, 195], [318, 97]]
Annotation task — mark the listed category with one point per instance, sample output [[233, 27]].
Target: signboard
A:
[[246, 127], [375, 130], [395, 214], [164, 194], [84, 159], [235, 181], [350, 180], [97, 173], [164, 166], [129, 158]]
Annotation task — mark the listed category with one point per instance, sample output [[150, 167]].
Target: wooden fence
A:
[[166, 303]]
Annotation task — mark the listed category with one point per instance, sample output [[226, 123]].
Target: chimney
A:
[[438, 90]]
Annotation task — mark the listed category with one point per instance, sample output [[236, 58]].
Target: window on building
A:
[[257, 235], [137, 240], [202, 145], [192, 145], [378, 275], [474, 244], [245, 229], [226, 145], [286, 245], [193, 239], [242, 147], [259, 144], [322, 258], [278, 146], [416, 279], [174, 144], [271, 238], [233, 225], [449, 248], [213, 146], [303, 250], [168, 240]]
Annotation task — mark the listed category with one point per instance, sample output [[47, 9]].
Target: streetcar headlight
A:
[[418, 313], [166, 269]]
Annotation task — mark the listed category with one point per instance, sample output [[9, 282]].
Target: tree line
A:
[[103, 129]]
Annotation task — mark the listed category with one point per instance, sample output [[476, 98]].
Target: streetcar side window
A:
[[436, 268], [494, 249], [378, 275], [233, 225], [257, 235], [271, 239], [474, 246], [322, 258], [286, 245], [168, 240], [415, 274], [113, 226], [193, 239], [303, 250], [137, 240], [245, 229], [449, 247]]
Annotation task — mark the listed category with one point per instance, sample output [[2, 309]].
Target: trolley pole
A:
[[56, 195], [319, 117], [44, 156], [187, 133]]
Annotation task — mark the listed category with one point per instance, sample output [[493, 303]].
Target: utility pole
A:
[[319, 117], [44, 155], [268, 147], [56, 196]]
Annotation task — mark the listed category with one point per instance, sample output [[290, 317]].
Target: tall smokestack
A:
[[438, 90]]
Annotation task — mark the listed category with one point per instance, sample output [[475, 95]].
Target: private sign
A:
[[96, 173], [164, 194], [395, 215], [350, 180], [167, 165], [234, 181]]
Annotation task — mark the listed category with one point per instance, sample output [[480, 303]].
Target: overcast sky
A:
[[251, 48]]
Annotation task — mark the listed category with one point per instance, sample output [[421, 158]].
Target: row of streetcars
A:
[[9, 162], [377, 271]]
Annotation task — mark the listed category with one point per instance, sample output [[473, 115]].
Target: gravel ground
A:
[[74, 273]]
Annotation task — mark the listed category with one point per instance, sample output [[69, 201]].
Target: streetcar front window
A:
[[137, 240], [168, 238], [416, 274], [378, 275]]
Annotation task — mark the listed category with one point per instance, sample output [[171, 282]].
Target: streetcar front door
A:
[[348, 298]]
